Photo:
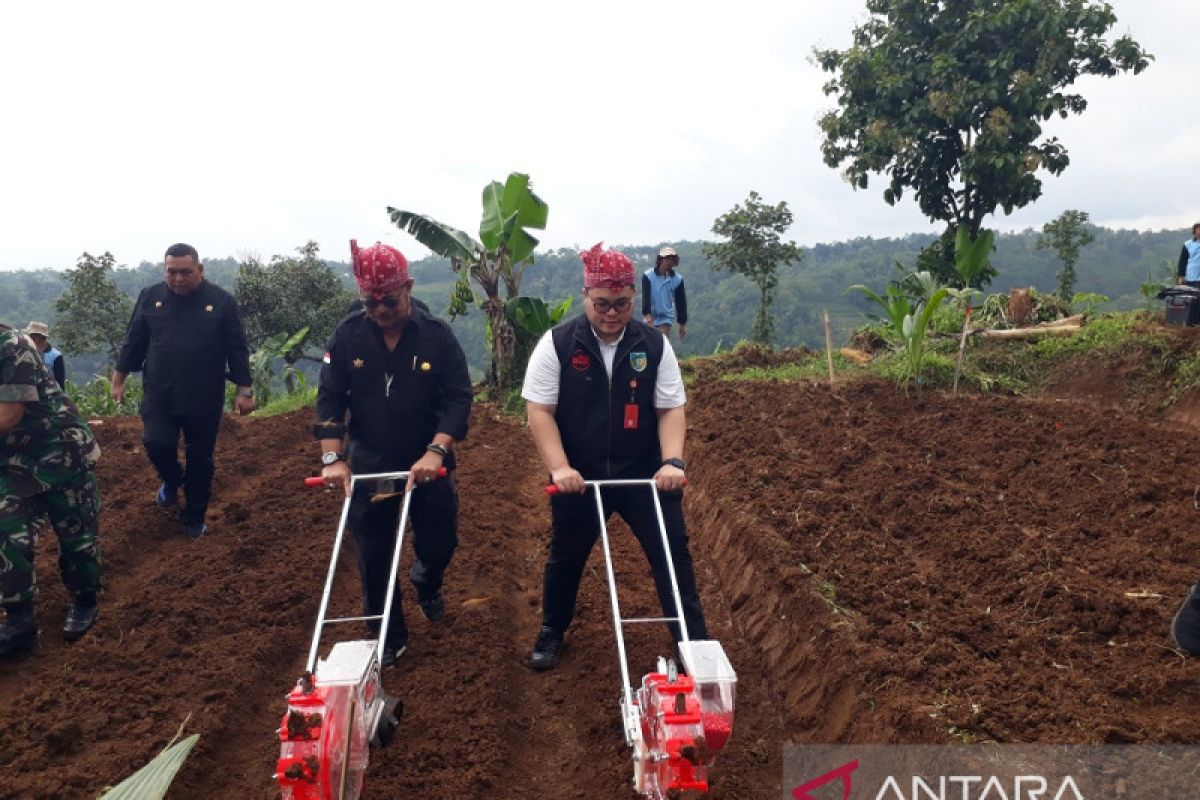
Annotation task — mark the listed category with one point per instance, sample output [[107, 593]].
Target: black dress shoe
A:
[[546, 650], [80, 619], [434, 608], [391, 653], [19, 633], [1185, 628]]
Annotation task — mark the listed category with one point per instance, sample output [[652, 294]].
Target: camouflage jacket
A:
[[52, 444]]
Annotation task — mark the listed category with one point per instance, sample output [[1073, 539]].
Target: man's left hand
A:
[[245, 404], [426, 469], [669, 478]]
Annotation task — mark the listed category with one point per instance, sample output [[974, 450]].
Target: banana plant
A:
[[499, 257], [262, 369], [532, 317], [895, 305], [914, 327], [1151, 287], [907, 324], [971, 255]]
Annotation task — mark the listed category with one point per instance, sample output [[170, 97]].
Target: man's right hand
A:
[[568, 480], [337, 473], [649, 319], [117, 391]]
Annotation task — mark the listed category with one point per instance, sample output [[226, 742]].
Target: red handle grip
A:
[[316, 482]]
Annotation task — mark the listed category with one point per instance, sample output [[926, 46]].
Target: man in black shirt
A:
[[185, 335], [402, 377]]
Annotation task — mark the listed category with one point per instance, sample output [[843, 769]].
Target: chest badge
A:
[[208, 309], [158, 303], [426, 366], [581, 361], [638, 361], [358, 363]]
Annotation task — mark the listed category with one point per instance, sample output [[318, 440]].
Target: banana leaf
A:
[[508, 210], [971, 255], [152, 781], [441, 239]]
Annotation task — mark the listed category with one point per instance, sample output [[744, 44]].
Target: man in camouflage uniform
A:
[[47, 472]]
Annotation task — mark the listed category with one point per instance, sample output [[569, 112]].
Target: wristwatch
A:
[[245, 392], [675, 462], [331, 458]]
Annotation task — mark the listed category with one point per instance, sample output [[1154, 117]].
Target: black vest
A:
[[601, 434]]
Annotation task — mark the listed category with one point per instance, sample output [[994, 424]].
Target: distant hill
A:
[[721, 306]]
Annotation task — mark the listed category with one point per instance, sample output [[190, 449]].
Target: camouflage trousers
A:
[[73, 511]]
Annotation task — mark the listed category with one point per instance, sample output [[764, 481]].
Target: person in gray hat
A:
[[39, 332], [664, 300]]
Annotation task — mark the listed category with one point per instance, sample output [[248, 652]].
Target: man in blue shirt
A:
[[664, 300], [1189, 259], [39, 332]]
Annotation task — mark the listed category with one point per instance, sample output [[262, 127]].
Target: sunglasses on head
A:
[[620, 305], [375, 302]]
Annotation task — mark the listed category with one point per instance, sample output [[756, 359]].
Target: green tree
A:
[[92, 313], [1066, 236], [289, 294], [505, 248], [948, 98], [754, 250]]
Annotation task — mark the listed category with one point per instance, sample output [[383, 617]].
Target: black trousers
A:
[[576, 528], [160, 436], [434, 514]]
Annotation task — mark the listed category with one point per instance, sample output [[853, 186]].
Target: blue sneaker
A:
[[167, 497], [195, 530]]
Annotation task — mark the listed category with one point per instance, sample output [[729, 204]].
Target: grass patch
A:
[[1111, 333], [511, 405], [813, 368], [828, 594], [1187, 377], [288, 402], [937, 370], [1022, 367]]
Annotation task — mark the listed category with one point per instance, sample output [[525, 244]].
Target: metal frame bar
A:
[[628, 706], [333, 560]]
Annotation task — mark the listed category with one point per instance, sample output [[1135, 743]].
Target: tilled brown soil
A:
[[878, 568]]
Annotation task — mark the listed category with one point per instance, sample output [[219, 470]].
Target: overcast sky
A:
[[249, 127]]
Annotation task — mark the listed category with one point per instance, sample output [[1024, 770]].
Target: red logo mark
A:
[[843, 772], [580, 360]]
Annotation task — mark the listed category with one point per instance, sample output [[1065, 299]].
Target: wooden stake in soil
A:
[[962, 344], [829, 348]]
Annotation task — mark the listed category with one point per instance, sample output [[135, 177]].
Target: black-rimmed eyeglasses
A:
[[620, 305], [375, 302]]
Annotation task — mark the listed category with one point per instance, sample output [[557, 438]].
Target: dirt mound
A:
[[1137, 378], [707, 368], [879, 569]]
